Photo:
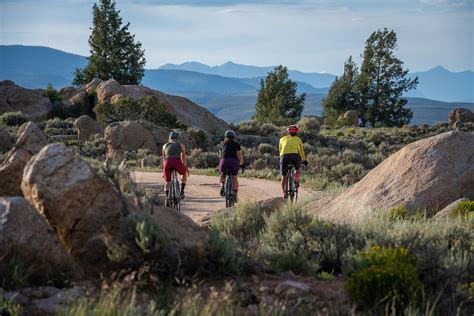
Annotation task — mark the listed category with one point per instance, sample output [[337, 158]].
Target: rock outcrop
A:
[[76, 201], [5, 141], [23, 232], [86, 127], [133, 135], [426, 175], [350, 117], [446, 212], [14, 98], [457, 117], [188, 112], [30, 141]]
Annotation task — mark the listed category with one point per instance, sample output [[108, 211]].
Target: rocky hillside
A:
[[34, 106]]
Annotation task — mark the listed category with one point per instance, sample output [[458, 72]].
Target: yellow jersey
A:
[[291, 145]]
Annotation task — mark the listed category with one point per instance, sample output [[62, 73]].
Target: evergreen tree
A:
[[382, 82], [342, 95], [277, 101], [114, 52]]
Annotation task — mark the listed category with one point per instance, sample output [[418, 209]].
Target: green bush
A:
[[200, 159], [243, 223], [465, 210], [269, 129], [52, 94], [267, 149], [148, 108], [9, 307], [309, 124], [13, 118], [93, 148], [223, 255], [249, 127], [400, 212], [286, 244], [199, 136], [384, 276]]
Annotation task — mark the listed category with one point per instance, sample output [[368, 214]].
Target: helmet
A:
[[230, 133], [174, 135], [292, 129]]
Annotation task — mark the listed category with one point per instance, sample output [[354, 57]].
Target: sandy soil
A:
[[202, 192]]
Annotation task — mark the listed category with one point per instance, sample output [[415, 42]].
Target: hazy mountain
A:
[[441, 84], [36, 66], [230, 69], [236, 108], [179, 81]]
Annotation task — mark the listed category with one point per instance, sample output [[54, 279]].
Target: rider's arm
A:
[[163, 154], [240, 155], [183, 154], [301, 150], [280, 146]]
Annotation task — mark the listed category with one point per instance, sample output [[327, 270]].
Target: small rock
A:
[[86, 126], [292, 288], [446, 212], [5, 141]]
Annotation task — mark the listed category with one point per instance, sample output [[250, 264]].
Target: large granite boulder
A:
[[426, 175], [25, 233], [32, 104], [350, 118], [133, 135], [457, 117], [78, 203], [86, 126], [30, 141]]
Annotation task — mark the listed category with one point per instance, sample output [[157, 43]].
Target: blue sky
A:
[[309, 35]]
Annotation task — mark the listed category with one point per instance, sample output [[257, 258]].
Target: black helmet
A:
[[230, 134]]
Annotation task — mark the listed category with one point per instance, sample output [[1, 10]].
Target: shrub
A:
[[249, 127], [244, 222], [286, 243], [309, 124], [93, 148], [200, 159], [13, 118], [223, 255], [199, 136], [400, 212], [9, 307], [269, 129], [383, 276], [148, 108], [465, 209], [52, 94], [267, 149]]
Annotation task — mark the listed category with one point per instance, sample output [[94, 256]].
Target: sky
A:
[[308, 35]]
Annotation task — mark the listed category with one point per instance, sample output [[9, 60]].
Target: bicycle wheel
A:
[[176, 194], [291, 183], [229, 192]]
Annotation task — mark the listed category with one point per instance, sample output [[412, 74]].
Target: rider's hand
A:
[[305, 163]]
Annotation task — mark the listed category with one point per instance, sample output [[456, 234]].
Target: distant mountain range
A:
[[229, 90]]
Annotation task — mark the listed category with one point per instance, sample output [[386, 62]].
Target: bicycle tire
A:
[[174, 193], [229, 194]]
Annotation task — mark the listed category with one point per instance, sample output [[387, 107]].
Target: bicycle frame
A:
[[175, 193]]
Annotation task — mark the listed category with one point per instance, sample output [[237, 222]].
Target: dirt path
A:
[[202, 192]]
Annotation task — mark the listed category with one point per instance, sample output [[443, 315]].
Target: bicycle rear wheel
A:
[[229, 192], [175, 193]]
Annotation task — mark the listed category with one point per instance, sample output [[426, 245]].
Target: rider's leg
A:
[[235, 181], [297, 177], [283, 184], [184, 177]]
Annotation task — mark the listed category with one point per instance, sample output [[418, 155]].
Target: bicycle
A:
[[291, 189], [174, 197], [229, 192]]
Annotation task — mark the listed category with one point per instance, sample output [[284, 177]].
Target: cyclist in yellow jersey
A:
[[291, 151]]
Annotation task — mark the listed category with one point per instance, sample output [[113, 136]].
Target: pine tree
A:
[[277, 101], [342, 95], [382, 82], [114, 52]]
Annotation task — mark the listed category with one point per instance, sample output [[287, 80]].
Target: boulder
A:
[[446, 212], [458, 116], [32, 104], [350, 117], [24, 232], [91, 87], [291, 288], [125, 136], [426, 175], [107, 89], [5, 141], [78, 203], [30, 141], [86, 126]]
